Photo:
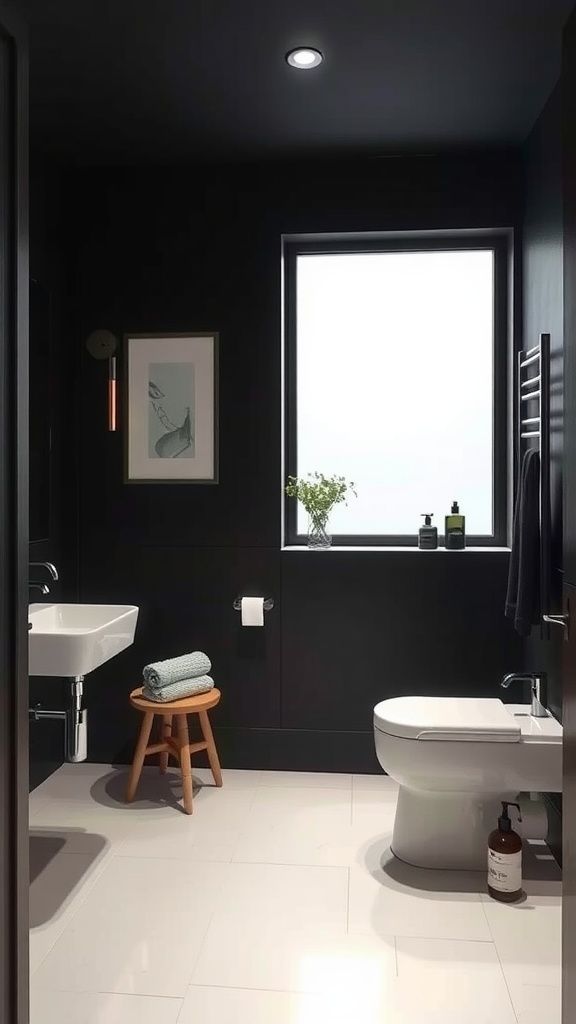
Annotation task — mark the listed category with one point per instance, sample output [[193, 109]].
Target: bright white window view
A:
[[394, 385]]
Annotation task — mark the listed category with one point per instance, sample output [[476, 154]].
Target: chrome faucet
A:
[[43, 587], [45, 565], [537, 682]]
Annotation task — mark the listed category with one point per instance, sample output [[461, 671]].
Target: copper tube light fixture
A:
[[103, 345], [112, 395]]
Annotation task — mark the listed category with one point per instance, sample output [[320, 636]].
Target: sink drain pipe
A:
[[75, 719]]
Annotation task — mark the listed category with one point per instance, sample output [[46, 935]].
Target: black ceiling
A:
[[157, 80]]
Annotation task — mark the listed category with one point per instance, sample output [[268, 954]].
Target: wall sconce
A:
[[112, 394], [103, 345]]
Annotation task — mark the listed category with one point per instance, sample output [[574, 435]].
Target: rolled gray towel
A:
[[188, 666], [178, 690]]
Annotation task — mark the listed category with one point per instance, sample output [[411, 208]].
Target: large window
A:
[[396, 366]]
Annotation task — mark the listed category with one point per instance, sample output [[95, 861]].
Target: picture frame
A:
[[171, 408]]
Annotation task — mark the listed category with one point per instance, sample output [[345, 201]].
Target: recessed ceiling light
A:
[[304, 57]]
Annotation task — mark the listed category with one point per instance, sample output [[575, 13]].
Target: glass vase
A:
[[318, 537]]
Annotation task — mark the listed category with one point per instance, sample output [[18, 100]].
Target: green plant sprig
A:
[[318, 494]]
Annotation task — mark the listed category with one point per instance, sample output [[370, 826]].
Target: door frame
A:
[[14, 285]]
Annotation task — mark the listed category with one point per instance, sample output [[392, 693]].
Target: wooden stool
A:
[[178, 745]]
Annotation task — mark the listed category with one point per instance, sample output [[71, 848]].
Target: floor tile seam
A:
[[334, 789], [139, 819], [287, 864], [348, 900], [254, 988], [290, 864], [173, 860], [210, 918], [105, 992], [492, 941], [35, 810], [442, 938], [541, 984], [516, 1015], [357, 810], [477, 941], [245, 824], [82, 897], [242, 826], [485, 905]]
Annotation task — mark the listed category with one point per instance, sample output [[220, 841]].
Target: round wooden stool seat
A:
[[185, 706], [176, 744]]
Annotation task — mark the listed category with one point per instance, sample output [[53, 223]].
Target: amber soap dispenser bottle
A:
[[505, 859]]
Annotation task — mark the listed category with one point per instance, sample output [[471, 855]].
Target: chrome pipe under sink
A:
[[75, 719]]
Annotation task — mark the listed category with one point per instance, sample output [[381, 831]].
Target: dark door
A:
[[569, 591], [13, 526], [569, 816]]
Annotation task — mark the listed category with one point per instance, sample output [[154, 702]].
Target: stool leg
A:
[[139, 756], [210, 746], [185, 764], [165, 732]]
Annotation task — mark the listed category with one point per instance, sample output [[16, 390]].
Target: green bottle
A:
[[454, 529]]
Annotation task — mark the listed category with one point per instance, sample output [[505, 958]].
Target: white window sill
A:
[[375, 547]]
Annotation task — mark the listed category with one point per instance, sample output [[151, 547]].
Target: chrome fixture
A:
[[42, 587], [75, 719], [533, 405], [537, 682], [268, 604], [559, 620], [45, 565]]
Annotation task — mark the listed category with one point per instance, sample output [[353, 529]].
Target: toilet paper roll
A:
[[252, 611]]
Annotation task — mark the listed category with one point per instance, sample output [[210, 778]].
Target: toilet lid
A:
[[447, 718]]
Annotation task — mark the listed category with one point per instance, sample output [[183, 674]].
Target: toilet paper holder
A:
[[268, 604]]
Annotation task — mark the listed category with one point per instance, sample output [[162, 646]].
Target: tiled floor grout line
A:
[[497, 951], [34, 810], [348, 900], [201, 945], [241, 830], [111, 992], [85, 890]]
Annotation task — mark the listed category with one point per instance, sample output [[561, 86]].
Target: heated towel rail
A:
[[534, 428]]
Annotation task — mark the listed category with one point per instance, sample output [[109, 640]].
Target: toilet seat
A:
[[469, 719]]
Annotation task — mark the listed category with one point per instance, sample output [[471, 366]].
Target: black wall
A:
[[543, 269], [51, 383], [171, 250]]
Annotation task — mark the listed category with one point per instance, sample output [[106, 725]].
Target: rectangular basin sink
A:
[[74, 639]]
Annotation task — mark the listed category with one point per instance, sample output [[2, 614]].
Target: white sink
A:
[[533, 729], [74, 639]]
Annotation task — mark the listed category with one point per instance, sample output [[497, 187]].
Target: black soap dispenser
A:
[[455, 529], [427, 534]]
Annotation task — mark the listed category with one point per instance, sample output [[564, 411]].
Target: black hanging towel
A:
[[523, 593]]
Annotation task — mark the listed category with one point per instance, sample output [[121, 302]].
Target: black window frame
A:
[[500, 242]]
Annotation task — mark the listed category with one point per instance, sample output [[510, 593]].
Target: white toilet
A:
[[455, 759]]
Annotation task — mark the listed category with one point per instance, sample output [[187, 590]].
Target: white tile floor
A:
[[277, 902]]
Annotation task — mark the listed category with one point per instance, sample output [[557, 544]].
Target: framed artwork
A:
[[171, 407]]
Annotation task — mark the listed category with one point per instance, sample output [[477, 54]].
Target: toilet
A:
[[455, 759]]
